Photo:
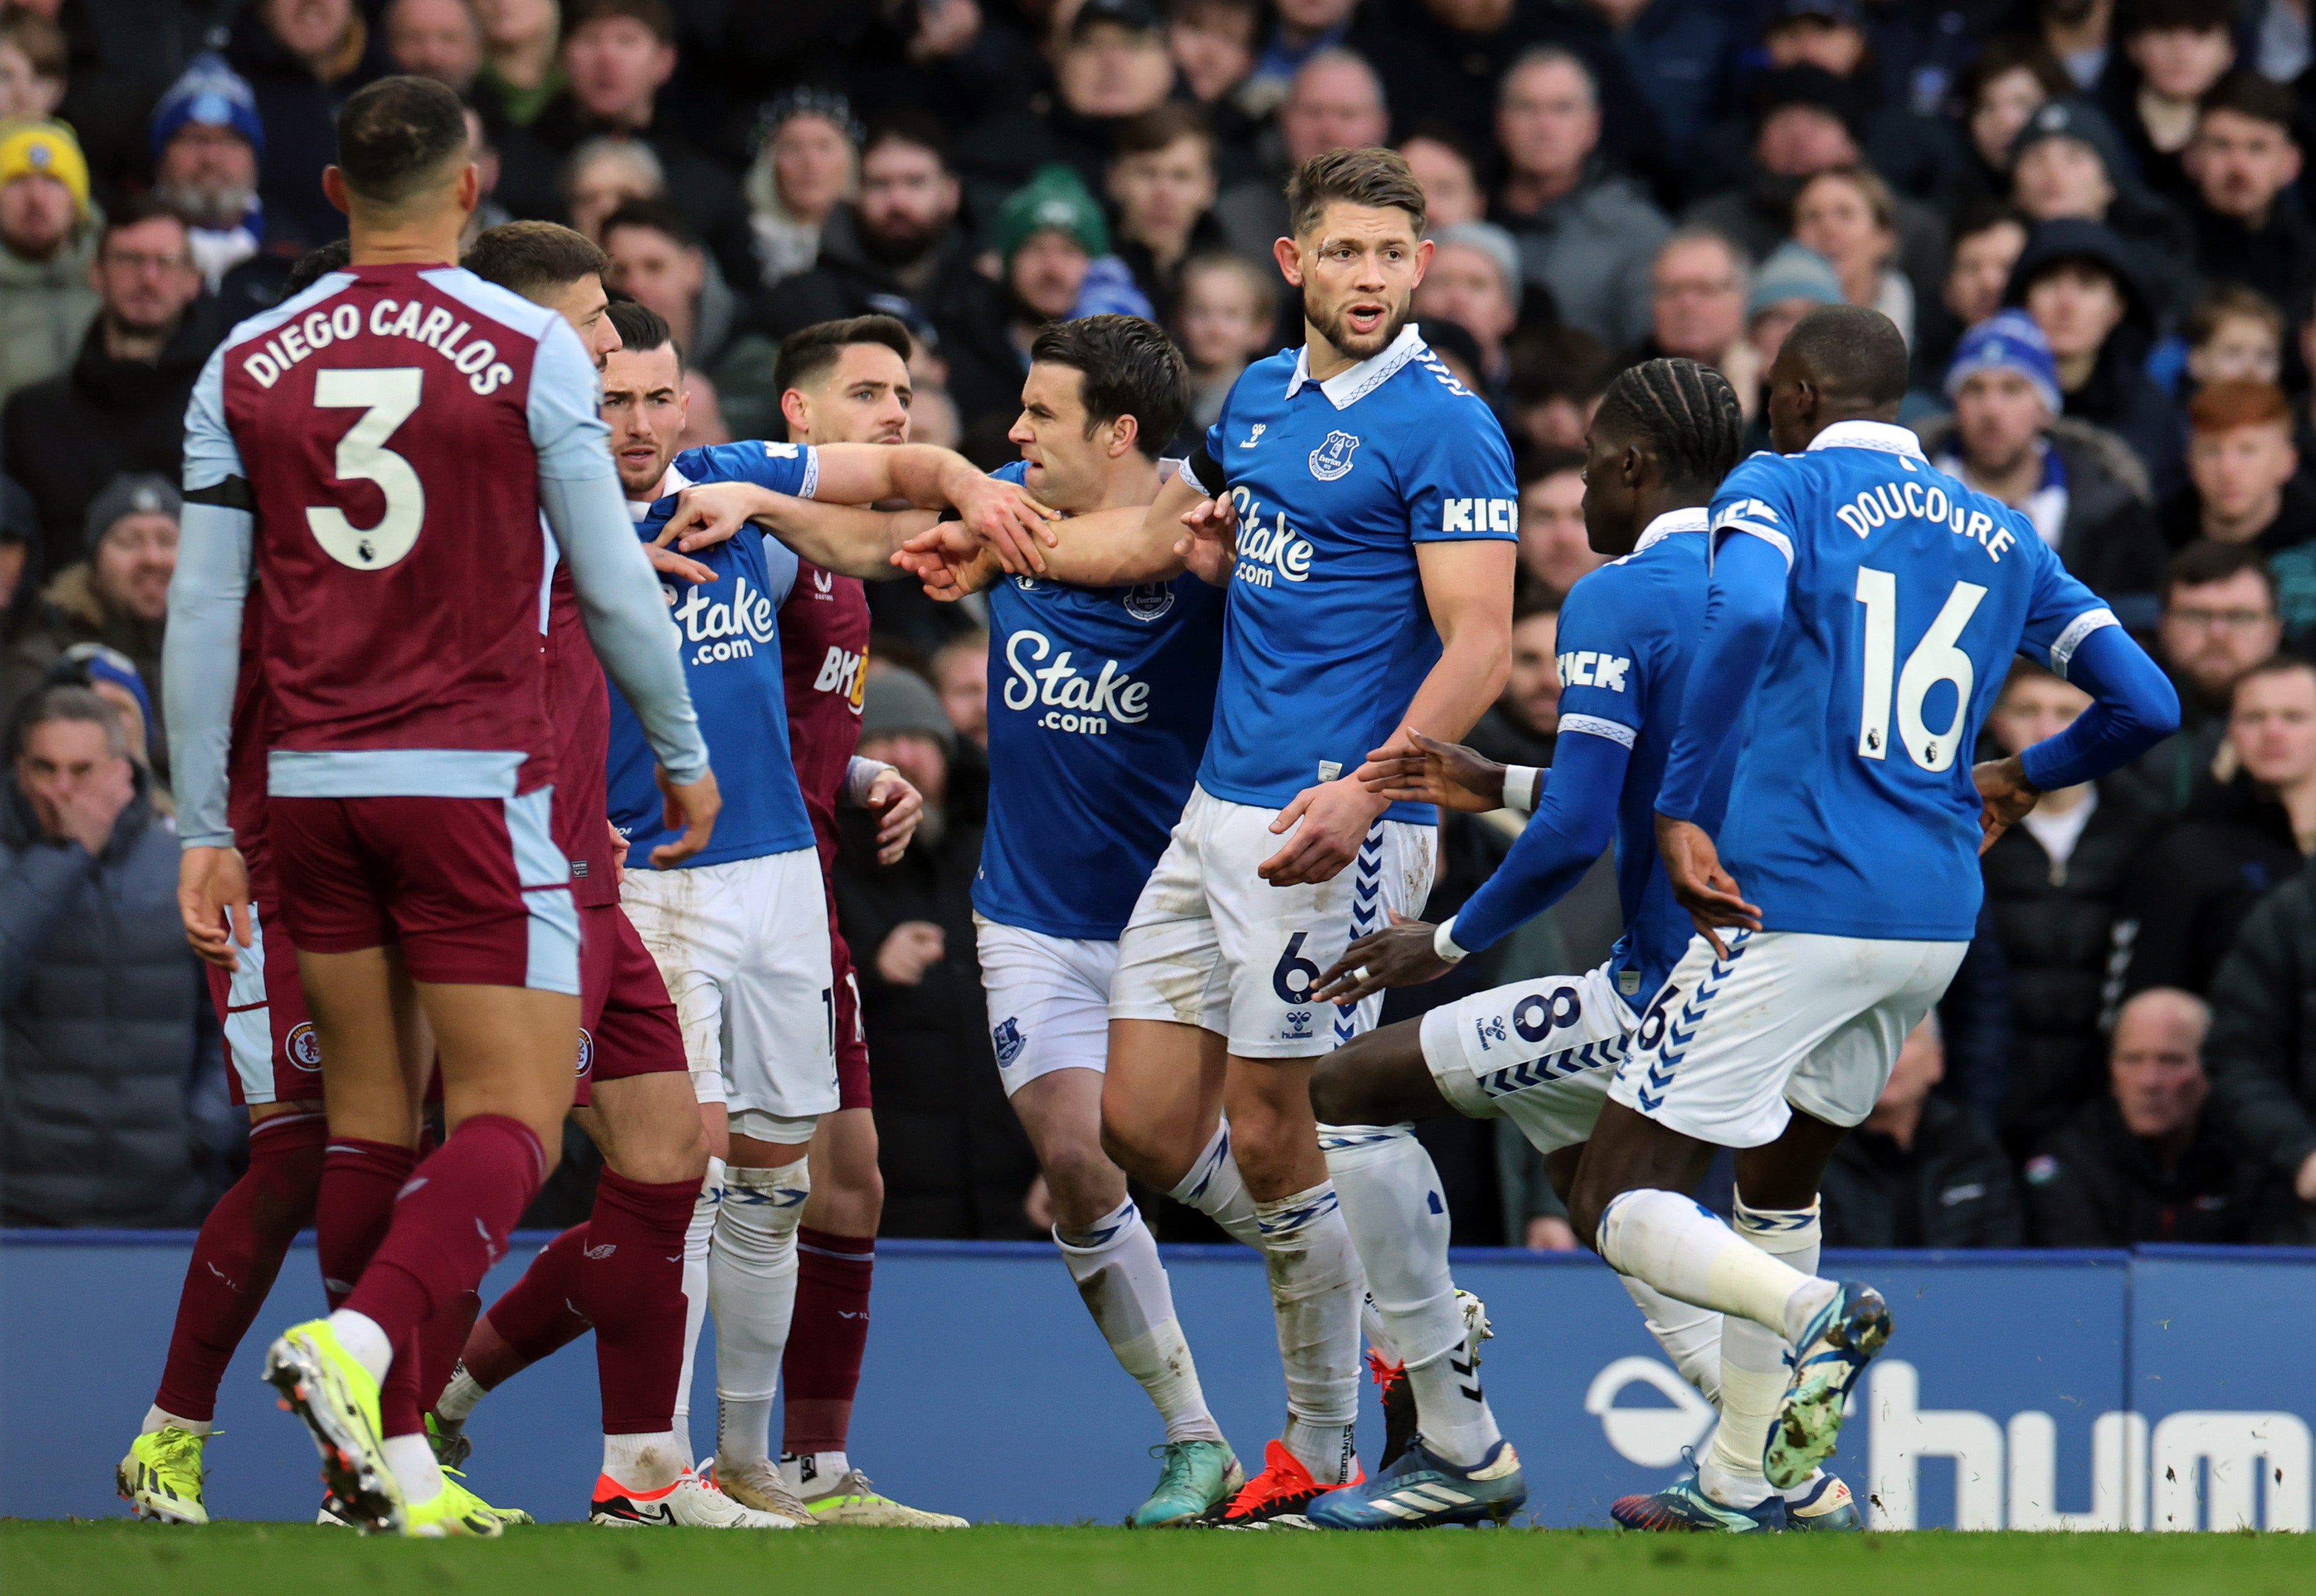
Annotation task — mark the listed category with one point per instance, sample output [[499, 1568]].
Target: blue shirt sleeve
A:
[[1758, 498], [1604, 657], [791, 468], [1744, 605], [1455, 475], [2137, 708], [2061, 612], [1569, 830]]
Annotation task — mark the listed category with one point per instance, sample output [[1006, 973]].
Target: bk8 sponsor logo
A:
[[1075, 701]]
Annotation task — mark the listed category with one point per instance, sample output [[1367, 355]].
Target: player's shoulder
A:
[[251, 329], [1424, 382], [1628, 598], [747, 459], [504, 305]]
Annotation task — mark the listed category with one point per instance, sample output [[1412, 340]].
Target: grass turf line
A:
[[53, 1559]]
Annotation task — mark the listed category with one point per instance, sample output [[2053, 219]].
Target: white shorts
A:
[[1212, 944], [1049, 1000], [1538, 1053], [1789, 1017], [743, 949]]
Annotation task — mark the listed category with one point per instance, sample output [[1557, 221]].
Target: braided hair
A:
[[1687, 412]]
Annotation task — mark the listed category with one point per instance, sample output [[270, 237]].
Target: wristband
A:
[[1523, 784], [1443, 943], [860, 776]]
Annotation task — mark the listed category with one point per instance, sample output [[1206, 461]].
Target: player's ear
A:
[[794, 411], [1289, 257], [1123, 431], [334, 187]]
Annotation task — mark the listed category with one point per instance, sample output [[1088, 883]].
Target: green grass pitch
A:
[[82, 1559]]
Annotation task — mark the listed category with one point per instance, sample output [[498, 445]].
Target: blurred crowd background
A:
[[2085, 215]]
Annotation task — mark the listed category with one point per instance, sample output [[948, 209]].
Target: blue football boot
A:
[[1422, 1490]]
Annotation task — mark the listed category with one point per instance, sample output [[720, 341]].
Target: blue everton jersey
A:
[[1099, 700], [1626, 635], [1335, 483], [1853, 813], [731, 650]]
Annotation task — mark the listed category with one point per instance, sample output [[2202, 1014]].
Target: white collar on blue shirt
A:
[[1885, 436], [1347, 387], [1694, 519]]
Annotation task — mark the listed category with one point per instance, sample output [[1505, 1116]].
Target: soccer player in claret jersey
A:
[[1370, 589], [381, 448], [1540, 1053], [1861, 611]]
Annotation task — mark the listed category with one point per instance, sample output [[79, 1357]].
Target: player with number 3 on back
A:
[[1861, 614], [379, 451]]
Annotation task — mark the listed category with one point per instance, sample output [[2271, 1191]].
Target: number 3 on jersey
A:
[[386, 396], [1935, 659]]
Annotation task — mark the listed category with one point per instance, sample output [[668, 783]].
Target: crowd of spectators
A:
[[2085, 215]]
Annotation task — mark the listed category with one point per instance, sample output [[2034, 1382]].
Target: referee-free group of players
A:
[[432, 502]]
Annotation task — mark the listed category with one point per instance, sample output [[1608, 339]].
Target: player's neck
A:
[[1322, 359], [1131, 483], [1652, 505], [431, 240]]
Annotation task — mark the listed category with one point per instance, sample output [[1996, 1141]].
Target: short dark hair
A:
[[660, 215], [395, 134], [1853, 351], [70, 702], [317, 263], [2005, 53], [2250, 94], [1367, 174], [642, 329], [2135, 17], [2279, 663], [2206, 561], [1531, 599], [908, 125], [1535, 464], [1687, 411], [1557, 361], [531, 258], [1983, 216], [1163, 127], [808, 353], [2232, 301], [654, 14], [134, 212], [1126, 366]]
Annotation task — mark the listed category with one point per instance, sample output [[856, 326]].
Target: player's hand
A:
[[939, 557], [213, 895], [1003, 516], [1399, 955], [1709, 893], [691, 804], [909, 949], [2007, 795], [1328, 822], [1425, 770], [897, 807], [2303, 1184], [710, 513], [668, 563], [1208, 548], [619, 851], [1549, 1233]]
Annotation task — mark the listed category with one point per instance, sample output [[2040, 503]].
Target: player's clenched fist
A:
[[1003, 516]]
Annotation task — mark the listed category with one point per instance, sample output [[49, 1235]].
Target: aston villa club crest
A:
[[1332, 461], [1009, 1040], [304, 1047], [586, 1051]]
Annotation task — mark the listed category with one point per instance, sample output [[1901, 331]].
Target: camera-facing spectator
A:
[[2179, 49], [807, 164], [2261, 1053], [1553, 550], [2243, 480], [99, 994], [656, 257], [1921, 1171], [46, 247], [2146, 1161], [1988, 239], [1111, 65], [1215, 45], [34, 61], [603, 175], [116, 592], [1047, 236], [2077, 279], [1847, 215], [437, 39], [208, 147], [522, 68], [1162, 184], [2218, 620], [302, 59], [1559, 373], [2234, 334], [2070, 164], [2077, 33], [2246, 830], [1444, 165], [2055, 886], [2248, 224], [2012, 79], [1222, 322], [1585, 234], [1697, 286], [120, 405], [1334, 103], [1473, 280], [2085, 492], [960, 668], [1521, 727], [1793, 282]]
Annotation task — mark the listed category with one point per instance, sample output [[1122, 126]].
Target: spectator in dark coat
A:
[[303, 60], [2239, 839], [2218, 620], [2144, 1163], [2055, 885], [2262, 1052], [99, 994], [955, 1160], [2068, 164], [2248, 224], [1921, 1171], [120, 405], [1989, 237]]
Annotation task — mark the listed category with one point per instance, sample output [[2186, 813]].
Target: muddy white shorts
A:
[[1539, 1053], [1049, 1000], [1212, 944], [1789, 1017]]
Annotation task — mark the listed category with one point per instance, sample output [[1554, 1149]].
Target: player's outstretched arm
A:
[[836, 537], [1120, 547], [2134, 707], [1001, 513]]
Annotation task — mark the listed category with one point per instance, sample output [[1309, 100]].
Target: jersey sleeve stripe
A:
[[1769, 535], [2082, 626], [1599, 726]]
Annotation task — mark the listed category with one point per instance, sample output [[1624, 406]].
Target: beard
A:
[[1334, 326], [201, 206], [900, 242]]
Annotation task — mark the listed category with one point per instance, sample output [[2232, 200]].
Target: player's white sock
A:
[[751, 1279], [1372, 1326], [1216, 1190], [1115, 1263], [157, 1419], [460, 1398], [643, 1462], [1683, 1250], [365, 1340], [1690, 1336], [815, 1474], [1753, 1372], [1391, 1203], [1315, 1287], [412, 1459], [695, 1288]]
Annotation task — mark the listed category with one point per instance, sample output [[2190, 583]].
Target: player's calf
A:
[[1379, 1078]]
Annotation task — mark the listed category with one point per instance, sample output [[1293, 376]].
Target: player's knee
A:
[[1586, 1202], [1336, 1098]]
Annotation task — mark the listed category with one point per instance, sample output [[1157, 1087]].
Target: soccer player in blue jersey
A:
[[1375, 524], [1862, 612], [1541, 1052]]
